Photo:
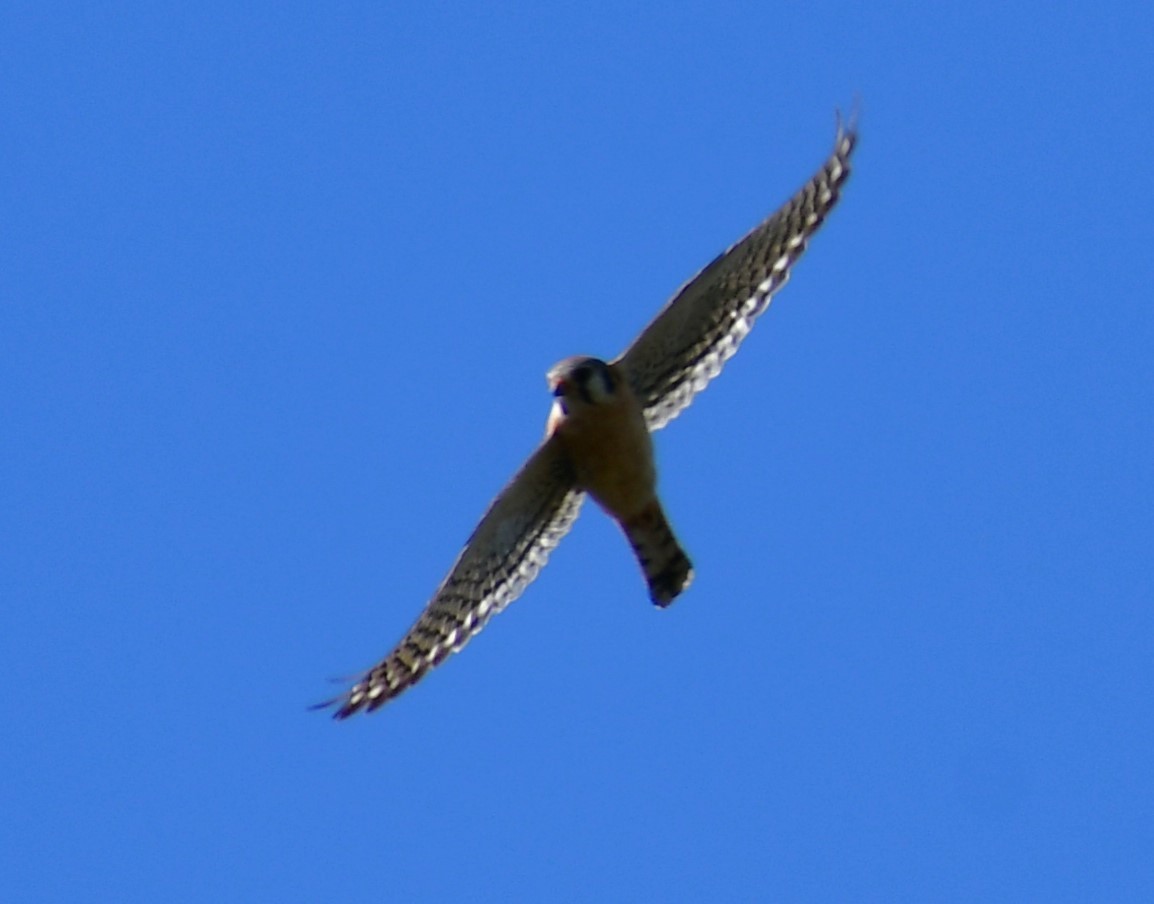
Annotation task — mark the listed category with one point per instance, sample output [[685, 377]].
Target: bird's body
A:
[[598, 442], [601, 427]]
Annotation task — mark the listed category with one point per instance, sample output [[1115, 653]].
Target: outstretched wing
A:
[[685, 347], [500, 559]]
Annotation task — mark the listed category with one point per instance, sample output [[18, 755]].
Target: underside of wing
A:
[[685, 347], [504, 554]]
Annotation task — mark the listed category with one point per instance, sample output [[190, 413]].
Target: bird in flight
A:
[[598, 442]]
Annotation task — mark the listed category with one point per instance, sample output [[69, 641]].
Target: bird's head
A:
[[580, 381]]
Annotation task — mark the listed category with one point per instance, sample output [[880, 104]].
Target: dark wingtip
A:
[[847, 126], [342, 711], [364, 696], [350, 701]]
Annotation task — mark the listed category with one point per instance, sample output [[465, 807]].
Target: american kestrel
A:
[[598, 442]]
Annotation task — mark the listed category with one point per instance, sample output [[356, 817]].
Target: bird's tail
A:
[[667, 568]]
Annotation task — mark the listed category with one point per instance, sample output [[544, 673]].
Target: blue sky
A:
[[278, 287]]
